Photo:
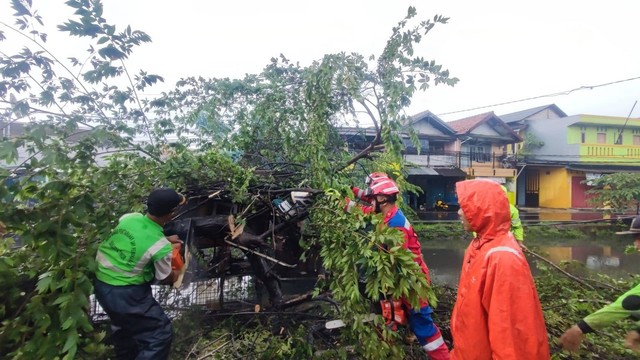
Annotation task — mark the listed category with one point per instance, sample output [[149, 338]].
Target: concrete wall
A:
[[554, 135], [484, 129], [555, 188], [547, 114], [426, 128]]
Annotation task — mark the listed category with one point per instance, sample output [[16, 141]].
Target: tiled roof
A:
[[465, 125]]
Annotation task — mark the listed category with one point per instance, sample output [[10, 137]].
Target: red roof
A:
[[465, 125]]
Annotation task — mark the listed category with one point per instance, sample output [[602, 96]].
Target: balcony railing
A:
[[603, 153], [464, 160]]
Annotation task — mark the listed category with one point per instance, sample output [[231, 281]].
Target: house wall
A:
[[544, 115], [452, 146], [520, 188], [555, 188], [11, 130], [426, 128], [554, 135], [484, 129], [592, 151]]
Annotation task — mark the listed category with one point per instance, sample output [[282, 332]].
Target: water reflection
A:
[[528, 216], [445, 263]]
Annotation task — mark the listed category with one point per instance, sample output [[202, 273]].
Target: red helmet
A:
[[373, 176], [382, 186]]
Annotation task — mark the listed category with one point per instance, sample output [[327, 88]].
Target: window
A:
[[479, 153], [410, 148], [436, 148], [582, 137], [636, 140], [602, 138]]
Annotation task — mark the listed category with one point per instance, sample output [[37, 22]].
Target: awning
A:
[[451, 172], [422, 170], [602, 168]]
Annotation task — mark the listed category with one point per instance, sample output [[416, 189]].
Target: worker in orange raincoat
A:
[[497, 314]]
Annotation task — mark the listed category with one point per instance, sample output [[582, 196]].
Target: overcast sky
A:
[[501, 50]]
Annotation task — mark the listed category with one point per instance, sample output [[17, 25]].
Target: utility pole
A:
[[619, 139]]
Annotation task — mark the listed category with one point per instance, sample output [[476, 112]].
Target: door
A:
[[579, 196], [532, 188]]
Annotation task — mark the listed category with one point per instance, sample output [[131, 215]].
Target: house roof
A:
[[464, 126], [524, 114], [605, 120], [435, 120], [451, 172], [603, 168], [467, 125]]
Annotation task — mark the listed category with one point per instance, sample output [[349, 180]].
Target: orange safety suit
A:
[[420, 321], [497, 314]]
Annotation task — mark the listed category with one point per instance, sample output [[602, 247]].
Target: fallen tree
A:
[[92, 148]]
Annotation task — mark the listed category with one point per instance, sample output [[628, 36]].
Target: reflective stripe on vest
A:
[[502, 248], [144, 260], [433, 345]]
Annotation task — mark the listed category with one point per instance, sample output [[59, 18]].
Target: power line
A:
[[567, 92]]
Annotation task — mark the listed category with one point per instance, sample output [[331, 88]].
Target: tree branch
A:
[[549, 262]]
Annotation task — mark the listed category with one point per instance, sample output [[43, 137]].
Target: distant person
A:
[[136, 254], [516, 224], [382, 193], [497, 314], [626, 306]]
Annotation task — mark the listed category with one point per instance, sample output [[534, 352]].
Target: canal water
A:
[[444, 258], [530, 215]]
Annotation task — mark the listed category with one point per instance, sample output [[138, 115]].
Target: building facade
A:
[[569, 151]]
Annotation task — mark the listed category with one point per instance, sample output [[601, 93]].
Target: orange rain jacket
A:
[[497, 314]]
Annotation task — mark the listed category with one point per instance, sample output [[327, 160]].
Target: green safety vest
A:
[[127, 256], [516, 224], [626, 306]]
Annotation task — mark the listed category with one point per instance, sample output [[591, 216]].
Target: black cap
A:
[[163, 201], [634, 228]]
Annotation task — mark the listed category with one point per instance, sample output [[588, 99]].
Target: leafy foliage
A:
[[617, 192], [92, 148], [530, 143], [565, 302], [362, 250]]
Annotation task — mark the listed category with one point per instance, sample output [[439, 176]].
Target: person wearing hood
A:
[[625, 307], [497, 314]]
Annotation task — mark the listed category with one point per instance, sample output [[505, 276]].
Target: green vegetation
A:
[[58, 202], [618, 192]]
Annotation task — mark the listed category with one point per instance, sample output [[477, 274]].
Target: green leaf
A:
[[71, 345], [67, 324], [111, 52], [8, 151], [20, 9], [44, 282]]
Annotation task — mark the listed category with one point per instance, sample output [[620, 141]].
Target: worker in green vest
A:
[[135, 255], [516, 224], [627, 306]]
